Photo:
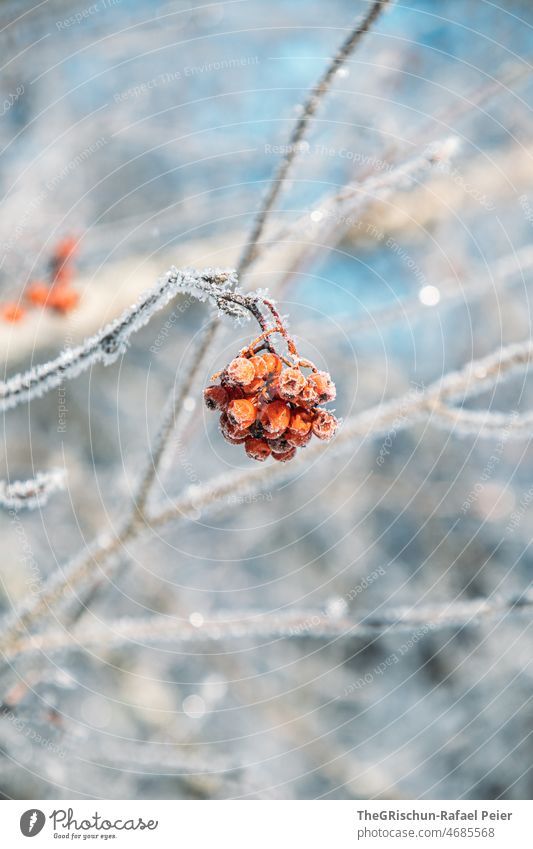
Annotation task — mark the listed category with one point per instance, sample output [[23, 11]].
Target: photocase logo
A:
[[32, 822]]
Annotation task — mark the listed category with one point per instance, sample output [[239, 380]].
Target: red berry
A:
[[63, 298], [297, 440], [257, 449], [308, 395], [275, 417], [241, 412], [285, 456], [240, 371], [290, 384], [260, 366], [12, 312], [301, 421], [215, 397], [323, 385], [325, 425], [273, 363], [231, 432], [37, 293]]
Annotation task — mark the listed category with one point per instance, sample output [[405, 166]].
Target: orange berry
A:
[[241, 412], [63, 275], [65, 248], [254, 387], [278, 444], [284, 456], [291, 382], [231, 432], [260, 366], [63, 299], [240, 371], [13, 312], [297, 440], [275, 417], [257, 449], [308, 395], [323, 385], [301, 421], [215, 397], [37, 293], [273, 363], [325, 425]]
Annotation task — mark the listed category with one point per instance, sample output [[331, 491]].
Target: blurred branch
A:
[[393, 416], [29, 494], [334, 215], [302, 624], [309, 109]]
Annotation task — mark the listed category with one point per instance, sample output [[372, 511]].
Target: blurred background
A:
[[148, 131]]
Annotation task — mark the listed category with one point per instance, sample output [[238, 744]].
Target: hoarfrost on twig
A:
[[260, 624], [29, 494]]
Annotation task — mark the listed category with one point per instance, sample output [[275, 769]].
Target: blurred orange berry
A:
[[63, 299], [37, 293], [13, 312]]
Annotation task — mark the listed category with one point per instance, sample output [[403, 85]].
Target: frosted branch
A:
[[309, 108], [29, 494], [111, 342], [264, 625], [337, 213]]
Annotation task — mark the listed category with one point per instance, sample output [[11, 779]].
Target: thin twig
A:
[[309, 109], [397, 414], [33, 493], [260, 624]]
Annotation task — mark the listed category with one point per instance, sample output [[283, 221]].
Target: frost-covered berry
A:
[[216, 398], [308, 396], [325, 425], [260, 366], [257, 449], [241, 412], [301, 421], [240, 372], [273, 363], [231, 432], [297, 440], [285, 456], [290, 383], [323, 385], [275, 417]]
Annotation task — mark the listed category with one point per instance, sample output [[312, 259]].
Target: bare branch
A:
[[309, 108], [29, 494], [258, 624], [397, 414]]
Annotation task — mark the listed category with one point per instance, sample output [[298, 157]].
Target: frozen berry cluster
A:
[[270, 405]]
